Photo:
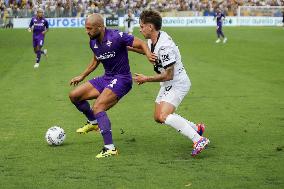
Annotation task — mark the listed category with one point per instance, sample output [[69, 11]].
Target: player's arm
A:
[[30, 25], [223, 17], [140, 46], [45, 31], [167, 59], [91, 67], [166, 75], [46, 28], [140, 51]]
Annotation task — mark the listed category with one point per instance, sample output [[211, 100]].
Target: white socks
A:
[[93, 122], [193, 125], [183, 126], [110, 146]]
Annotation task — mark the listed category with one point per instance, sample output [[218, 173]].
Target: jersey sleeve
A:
[[126, 39], [167, 56]]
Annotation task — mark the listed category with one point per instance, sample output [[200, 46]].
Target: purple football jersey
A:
[[112, 51], [219, 16], [39, 24]]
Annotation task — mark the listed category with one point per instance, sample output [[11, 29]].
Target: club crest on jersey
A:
[[108, 43]]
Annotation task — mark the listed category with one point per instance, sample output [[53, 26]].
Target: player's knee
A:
[[160, 118], [74, 96], [98, 107]]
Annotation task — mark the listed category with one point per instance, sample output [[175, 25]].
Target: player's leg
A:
[[38, 49], [222, 34], [105, 101], [218, 34], [79, 97], [35, 46], [38, 56], [174, 94], [115, 89], [38, 43], [44, 51], [167, 101], [164, 113]]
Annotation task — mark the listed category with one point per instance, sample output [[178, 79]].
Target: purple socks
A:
[[38, 55], [105, 127], [84, 107]]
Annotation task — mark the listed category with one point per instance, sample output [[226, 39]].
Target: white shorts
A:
[[173, 93]]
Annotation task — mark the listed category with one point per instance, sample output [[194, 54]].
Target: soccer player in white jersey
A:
[[174, 81]]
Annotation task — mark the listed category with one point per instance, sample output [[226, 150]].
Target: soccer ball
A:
[[55, 136]]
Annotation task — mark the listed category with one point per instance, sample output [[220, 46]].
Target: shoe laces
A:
[[104, 150], [200, 144]]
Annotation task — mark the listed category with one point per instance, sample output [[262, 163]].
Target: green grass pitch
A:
[[237, 90]]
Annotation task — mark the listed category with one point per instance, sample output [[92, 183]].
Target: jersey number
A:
[[113, 82]]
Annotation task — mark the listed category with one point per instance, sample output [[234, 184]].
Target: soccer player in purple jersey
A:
[[39, 26], [110, 47], [283, 18], [219, 17]]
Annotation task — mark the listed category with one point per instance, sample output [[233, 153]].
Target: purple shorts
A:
[[119, 84], [38, 41], [219, 27]]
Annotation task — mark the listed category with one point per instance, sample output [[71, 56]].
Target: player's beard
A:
[[95, 36]]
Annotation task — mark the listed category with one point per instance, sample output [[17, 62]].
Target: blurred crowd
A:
[[81, 8]]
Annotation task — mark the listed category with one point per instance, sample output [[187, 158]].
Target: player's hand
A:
[[139, 78], [152, 57], [76, 80]]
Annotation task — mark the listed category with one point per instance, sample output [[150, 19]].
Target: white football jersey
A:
[[168, 54]]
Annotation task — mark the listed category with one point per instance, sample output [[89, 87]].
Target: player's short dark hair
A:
[[152, 17]]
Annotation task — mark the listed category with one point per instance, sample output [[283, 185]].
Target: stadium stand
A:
[[81, 8]]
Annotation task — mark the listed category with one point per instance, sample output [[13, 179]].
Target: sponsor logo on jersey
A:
[[38, 24], [106, 55]]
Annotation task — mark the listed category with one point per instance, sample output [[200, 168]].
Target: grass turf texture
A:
[[237, 90]]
